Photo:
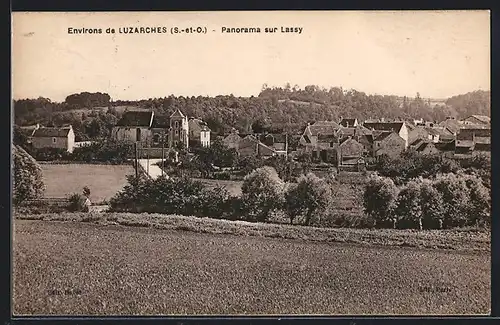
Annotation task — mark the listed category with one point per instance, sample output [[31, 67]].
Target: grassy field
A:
[[463, 239], [77, 268], [104, 181]]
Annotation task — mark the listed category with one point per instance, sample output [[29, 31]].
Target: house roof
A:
[[464, 143], [346, 122], [279, 146], [482, 118], [52, 132], [307, 139], [201, 124], [323, 127], [28, 130], [384, 126], [451, 124], [366, 138], [347, 141], [482, 140], [136, 118], [417, 142], [358, 130], [432, 131], [161, 122], [327, 138], [266, 149], [276, 137], [470, 134], [177, 113], [380, 136], [424, 145], [445, 146]]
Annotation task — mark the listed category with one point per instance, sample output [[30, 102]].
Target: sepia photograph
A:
[[251, 163]]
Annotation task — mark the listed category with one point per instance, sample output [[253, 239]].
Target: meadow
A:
[[104, 181], [77, 268]]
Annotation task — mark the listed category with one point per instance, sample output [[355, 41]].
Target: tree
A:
[[262, 193], [479, 203], [455, 198], [379, 198], [408, 206], [432, 205], [19, 137], [28, 177], [308, 198]]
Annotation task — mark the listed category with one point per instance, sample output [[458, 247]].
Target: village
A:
[[347, 144]]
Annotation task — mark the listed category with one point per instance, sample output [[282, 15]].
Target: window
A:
[[54, 140], [176, 124], [156, 138], [176, 132], [138, 134]]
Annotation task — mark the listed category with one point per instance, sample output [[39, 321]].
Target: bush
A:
[[172, 196], [411, 165], [379, 199], [262, 193], [105, 151], [50, 154], [308, 198], [77, 203], [215, 203], [222, 176], [28, 178]]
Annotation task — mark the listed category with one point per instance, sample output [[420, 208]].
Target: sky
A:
[[436, 53]]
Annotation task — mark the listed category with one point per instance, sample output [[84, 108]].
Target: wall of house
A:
[[194, 130], [429, 150], [403, 133], [248, 148], [351, 148], [70, 141], [265, 151], [391, 146], [156, 137], [51, 142], [205, 138], [121, 133], [179, 131], [232, 141]]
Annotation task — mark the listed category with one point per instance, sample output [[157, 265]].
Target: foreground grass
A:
[[104, 181], [76, 268], [438, 239]]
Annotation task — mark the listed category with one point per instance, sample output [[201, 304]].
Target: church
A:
[[152, 131]]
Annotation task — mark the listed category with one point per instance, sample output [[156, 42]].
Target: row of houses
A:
[[346, 142], [350, 142]]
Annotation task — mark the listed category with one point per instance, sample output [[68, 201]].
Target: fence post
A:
[[136, 161]]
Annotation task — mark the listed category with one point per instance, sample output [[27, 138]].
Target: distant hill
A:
[[275, 109]]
